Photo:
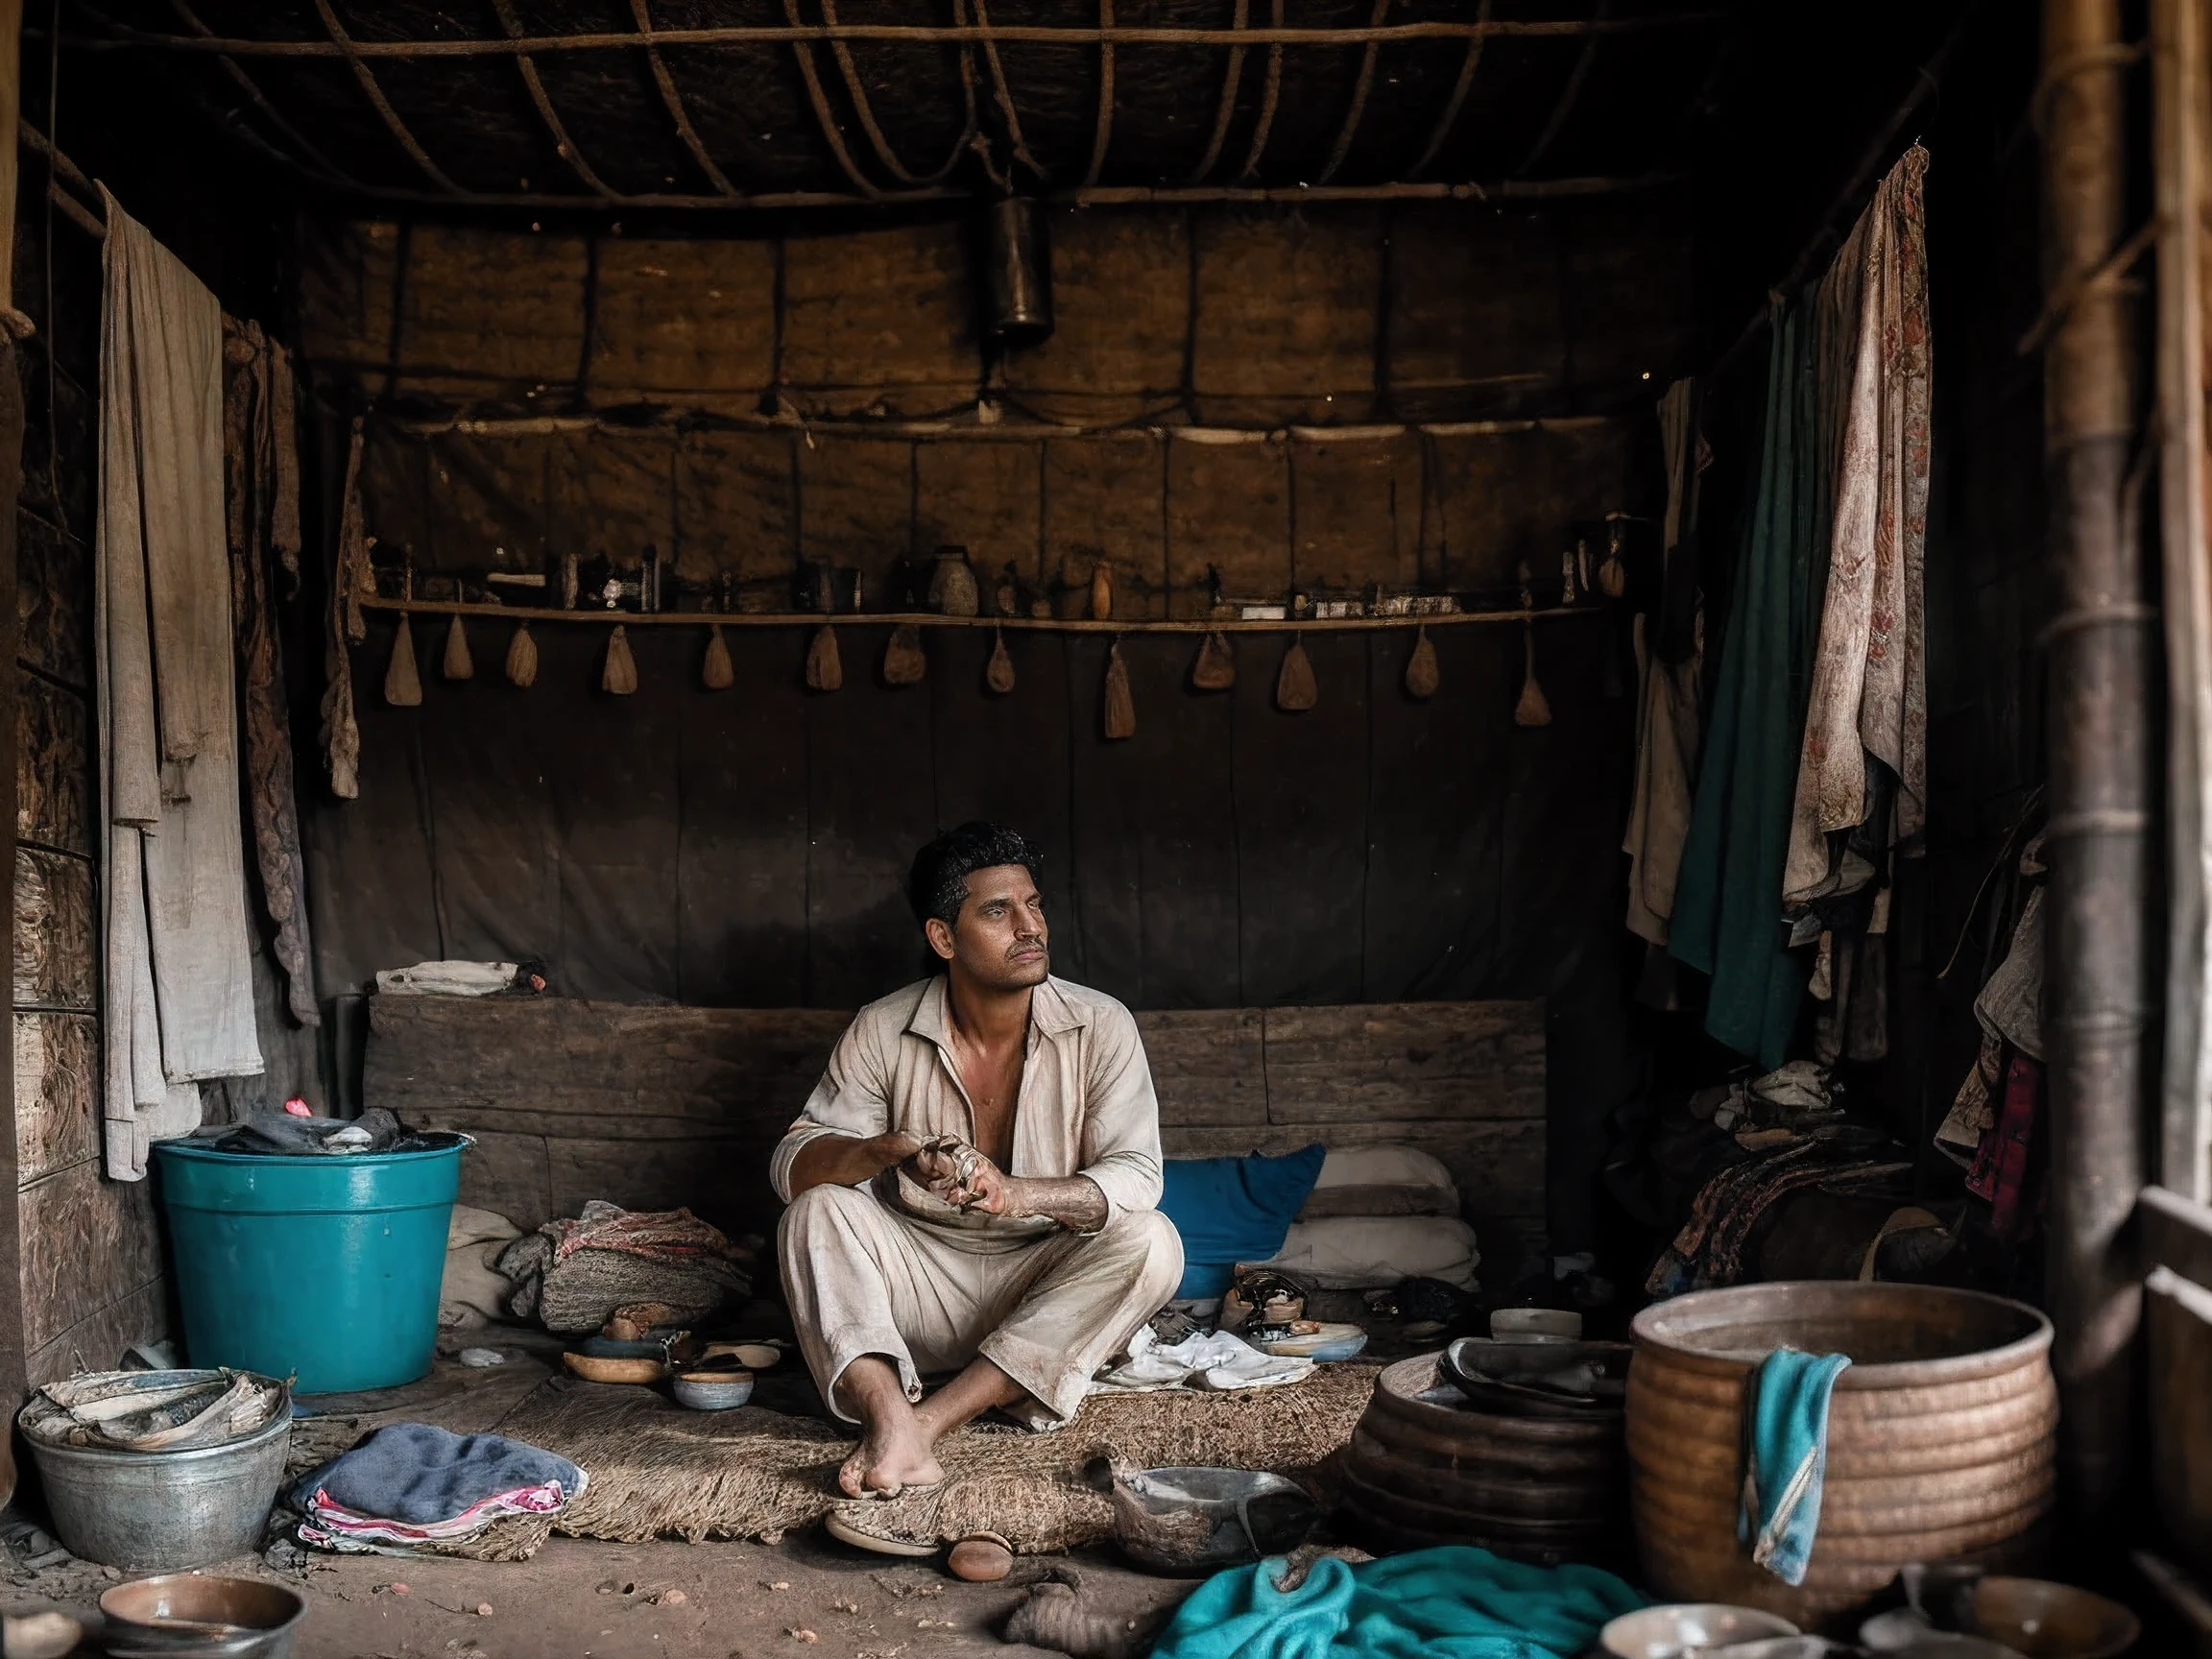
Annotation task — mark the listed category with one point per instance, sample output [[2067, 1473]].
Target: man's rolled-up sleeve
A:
[[851, 1102], [1121, 1117]]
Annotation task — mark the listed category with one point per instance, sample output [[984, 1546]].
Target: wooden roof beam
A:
[[982, 32], [342, 45]]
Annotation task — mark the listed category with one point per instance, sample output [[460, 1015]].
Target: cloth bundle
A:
[[1716, 1242], [414, 1488], [375, 1130], [1232, 1210], [472, 1291], [448, 978], [571, 1274]]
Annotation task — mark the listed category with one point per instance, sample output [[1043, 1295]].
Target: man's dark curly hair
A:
[[938, 883]]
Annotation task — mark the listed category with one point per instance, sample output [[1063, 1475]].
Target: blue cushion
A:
[[1232, 1210]]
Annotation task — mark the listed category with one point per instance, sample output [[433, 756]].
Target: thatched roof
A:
[[715, 104]]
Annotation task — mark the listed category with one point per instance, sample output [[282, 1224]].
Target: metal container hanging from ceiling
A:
[[1019, 271]]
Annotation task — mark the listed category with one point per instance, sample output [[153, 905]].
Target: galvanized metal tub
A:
[[1941, 1438], [1423, 1469], [162, 1511]]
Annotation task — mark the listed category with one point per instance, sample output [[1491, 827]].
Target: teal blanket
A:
[[1452, 1604]]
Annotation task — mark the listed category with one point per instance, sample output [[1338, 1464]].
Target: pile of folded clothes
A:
[[416, 1489], [570, 1275]]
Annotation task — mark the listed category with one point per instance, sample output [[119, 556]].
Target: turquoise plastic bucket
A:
[[323, 1270]]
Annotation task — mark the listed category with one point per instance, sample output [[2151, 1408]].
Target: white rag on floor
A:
[[180, 995], [1209, 1360]]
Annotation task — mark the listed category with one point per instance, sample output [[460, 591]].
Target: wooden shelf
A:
[[930, 619]]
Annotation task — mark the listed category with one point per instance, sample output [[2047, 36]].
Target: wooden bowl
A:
[[593, 1369]]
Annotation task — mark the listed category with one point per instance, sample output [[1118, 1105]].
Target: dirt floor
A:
[[581, 1596], [807, 1596]]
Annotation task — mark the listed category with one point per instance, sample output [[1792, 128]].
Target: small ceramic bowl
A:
[[713, 1390], [1536, 1324], [1688, 1627]]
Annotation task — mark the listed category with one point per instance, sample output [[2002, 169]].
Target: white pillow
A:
[[1386, 1166], [1370, 1252], [1388, 1180]]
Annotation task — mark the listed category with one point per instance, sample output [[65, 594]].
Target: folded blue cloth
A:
[[420, 1474], [1785, 1458], [1232, 1210], [1446, 1604]]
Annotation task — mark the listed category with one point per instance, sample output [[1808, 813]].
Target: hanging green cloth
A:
[[1727, 920]]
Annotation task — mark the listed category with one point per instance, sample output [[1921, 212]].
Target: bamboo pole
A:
[[2181, 128], [11, 113], [60, 168], [2097, 833], [1501, 190], [930, 619], [547, 425], [1102, 196]]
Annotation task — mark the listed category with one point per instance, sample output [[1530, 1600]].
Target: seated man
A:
[[973, 1183]]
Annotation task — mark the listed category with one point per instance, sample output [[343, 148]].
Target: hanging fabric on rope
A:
[[1727, 920], [261, 465], [1667, 731], [345, 627], [180, 995], [1868, 702], [1862, 768]]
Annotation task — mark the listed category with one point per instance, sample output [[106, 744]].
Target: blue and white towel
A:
[[1785, 1458]]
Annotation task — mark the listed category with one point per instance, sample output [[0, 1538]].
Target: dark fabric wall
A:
[[745, 848]]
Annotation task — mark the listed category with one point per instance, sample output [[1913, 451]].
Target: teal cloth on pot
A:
[[1232, 1210], [1445, 1603], [1727, 921], [1785, 1458]]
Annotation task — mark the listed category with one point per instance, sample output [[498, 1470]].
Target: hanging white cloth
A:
[[1667, 723], [1869, 700], [1665, 783], [180, 998]]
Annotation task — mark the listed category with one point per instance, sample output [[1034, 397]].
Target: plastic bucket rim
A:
[[182, 1148]]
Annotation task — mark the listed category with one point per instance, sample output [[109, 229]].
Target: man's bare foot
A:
[[893, 1455]]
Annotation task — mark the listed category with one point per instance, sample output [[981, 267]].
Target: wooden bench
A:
[[656, 1106]]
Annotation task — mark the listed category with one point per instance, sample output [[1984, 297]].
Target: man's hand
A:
[[964, 1178], [956, 1172]]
